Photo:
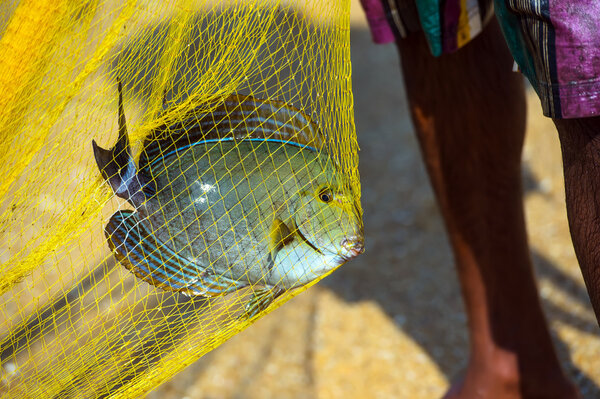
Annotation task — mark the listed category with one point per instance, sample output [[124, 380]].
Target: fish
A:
[[237, 193]]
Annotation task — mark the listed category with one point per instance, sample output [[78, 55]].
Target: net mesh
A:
[[234, 186]]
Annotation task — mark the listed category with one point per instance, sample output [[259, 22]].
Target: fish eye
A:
[[325, 195]]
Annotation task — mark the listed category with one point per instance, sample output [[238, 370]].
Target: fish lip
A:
[[355, 245], [347, 258]]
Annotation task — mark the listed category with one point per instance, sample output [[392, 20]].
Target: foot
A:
[[501, 379]]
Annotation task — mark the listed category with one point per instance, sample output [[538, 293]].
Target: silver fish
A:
[[239, 196]]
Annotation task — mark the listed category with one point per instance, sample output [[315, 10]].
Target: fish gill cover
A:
[[170, 171]]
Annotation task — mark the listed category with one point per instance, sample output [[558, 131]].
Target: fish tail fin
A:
[[117, 165]]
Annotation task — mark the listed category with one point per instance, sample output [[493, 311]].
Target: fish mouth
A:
[[354, 246]]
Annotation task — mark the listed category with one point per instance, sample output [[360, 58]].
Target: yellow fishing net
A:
[[120, 265]]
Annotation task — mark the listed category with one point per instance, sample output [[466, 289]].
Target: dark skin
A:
[[580, 144], [468, 109]]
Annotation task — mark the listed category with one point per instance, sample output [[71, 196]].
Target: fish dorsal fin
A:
[[154, 262], [236, 117]]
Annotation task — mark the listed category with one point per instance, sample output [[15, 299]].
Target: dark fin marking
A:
[[122, 121], [154, 262], [261, 299], [236, 117], [115, 164]]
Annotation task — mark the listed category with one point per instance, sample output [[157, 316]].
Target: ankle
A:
[[500, 366], [503, 371]]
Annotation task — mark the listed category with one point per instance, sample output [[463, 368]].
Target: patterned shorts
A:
[[556, 43]]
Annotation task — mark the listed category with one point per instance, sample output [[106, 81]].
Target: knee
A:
[[579, 139]]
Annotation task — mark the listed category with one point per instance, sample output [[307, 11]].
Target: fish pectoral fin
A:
[[261, 299], [280, 236], [154, 262]]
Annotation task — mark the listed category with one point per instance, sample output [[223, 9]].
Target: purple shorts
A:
[[556, 43]]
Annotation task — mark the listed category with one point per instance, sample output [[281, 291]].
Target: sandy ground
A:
[[391, 324]]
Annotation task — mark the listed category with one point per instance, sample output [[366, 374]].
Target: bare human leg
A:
[[468, 109], [580, 144]]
